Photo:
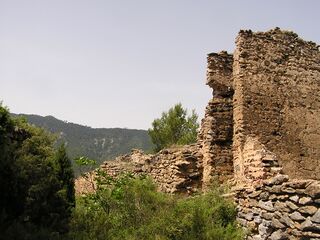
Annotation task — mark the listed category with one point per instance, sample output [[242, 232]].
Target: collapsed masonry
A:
[[261, 130]]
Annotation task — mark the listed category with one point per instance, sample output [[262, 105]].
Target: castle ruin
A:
[[261, 132]]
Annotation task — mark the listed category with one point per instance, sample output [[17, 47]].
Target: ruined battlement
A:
[[219, 73]]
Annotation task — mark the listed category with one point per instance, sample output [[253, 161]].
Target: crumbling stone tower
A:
[[265, 110], [262, 129]]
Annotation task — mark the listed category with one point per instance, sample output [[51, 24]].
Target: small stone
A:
[[274, 189], [278, 235], [297, 216], [281, 206], [286, 220], [267, 215], [307, 224], [294, 198], [312, 235], [313, 190], [265, 228], [296, 232], [278, 179], [257, 219], [277, 224], [266, 205], [297, 184], [291, 205], [288, 190], [254, 194], [264, 195], [308, 210], [316, 217], [273, 196], [248, 216], [305, 200]]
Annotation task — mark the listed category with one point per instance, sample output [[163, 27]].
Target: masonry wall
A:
[[276, 79], [215, 136], [174, 170], [280, 208]]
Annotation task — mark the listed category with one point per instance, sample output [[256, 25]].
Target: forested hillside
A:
[[96, 143]]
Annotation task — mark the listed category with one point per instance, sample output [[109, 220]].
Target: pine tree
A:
[[174, 127]]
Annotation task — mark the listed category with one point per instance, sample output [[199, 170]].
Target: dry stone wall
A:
[[174, 170], [280, 209]]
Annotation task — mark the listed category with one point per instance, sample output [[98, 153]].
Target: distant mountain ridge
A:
[[96, 143]]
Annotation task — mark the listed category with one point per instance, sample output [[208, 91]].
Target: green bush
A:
[[130, 208]]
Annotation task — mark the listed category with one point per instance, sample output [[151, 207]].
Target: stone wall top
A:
[[219, 73]]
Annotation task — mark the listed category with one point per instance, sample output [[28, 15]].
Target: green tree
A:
[[66, 177], [35, 182], [174, 127]]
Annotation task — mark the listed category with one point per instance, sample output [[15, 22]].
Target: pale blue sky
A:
[[121, 63]]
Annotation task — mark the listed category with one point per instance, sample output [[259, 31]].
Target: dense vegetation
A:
[[96, 143], [38, 200], [36, 182], [174, 127], [129, 207]]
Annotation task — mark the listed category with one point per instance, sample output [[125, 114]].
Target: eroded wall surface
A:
[[174, 170], [276, 79], [215, 136]]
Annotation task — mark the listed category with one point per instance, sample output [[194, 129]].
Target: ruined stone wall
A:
[[276, 79], [280, 208], [215, 136], [174, 170]]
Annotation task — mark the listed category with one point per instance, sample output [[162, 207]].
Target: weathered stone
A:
[[287, 220], [277, 224], [294, 198], [308, 225], [310, 210], [265, 228], [278, 235], [313, 190], [266, 205], [281, 207], [264, 196], [288, 190], [311, 235], [316, 217], [279, 179], [275, 189], [267, 215], [296, 216], [291, 205], [305, 200], [257, 219]]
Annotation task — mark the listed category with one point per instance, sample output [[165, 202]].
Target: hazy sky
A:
[[121, 63]]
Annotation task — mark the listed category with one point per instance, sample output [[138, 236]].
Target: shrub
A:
[[129, 207]]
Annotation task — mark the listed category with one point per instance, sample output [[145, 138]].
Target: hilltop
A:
[[96, 143]]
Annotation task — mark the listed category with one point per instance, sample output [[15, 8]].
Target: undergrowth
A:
[[130, 208]]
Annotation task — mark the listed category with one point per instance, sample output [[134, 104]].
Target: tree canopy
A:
[[174, 127], [36, 182]]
